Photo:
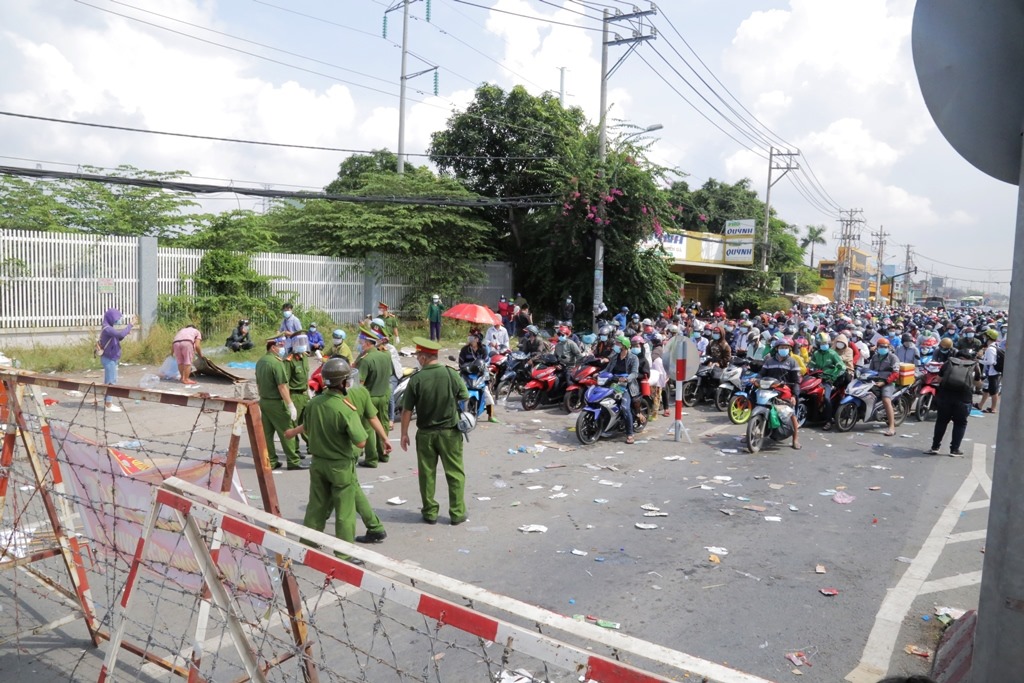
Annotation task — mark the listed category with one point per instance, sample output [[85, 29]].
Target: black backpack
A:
[[960, 376], [1000, 357]]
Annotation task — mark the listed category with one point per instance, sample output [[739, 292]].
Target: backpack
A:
[[1000, 357], [960, 377]]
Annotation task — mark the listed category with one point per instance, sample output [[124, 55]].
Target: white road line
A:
[[978, 535], [951, 582], [979, 470], [977, 505], [874, 663]]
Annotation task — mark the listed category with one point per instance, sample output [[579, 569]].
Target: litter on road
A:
[[819, 569], [533, 529], [398, 500], [830, 592], [581, 553], [843, 498], [773, 519], [645, 527]]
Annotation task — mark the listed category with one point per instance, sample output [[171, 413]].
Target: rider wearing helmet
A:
[[833, 371], [568, 351], [988, 360], [340, 348], [781, 365], [968, 340], [885, 364], [625, 366], [532, 342], [908, 352]]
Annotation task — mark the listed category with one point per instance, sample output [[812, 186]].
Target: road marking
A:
[[978, 535], [951, 582], [874, 663], [977, 505]]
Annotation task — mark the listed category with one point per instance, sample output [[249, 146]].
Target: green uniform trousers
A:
[[300, 399], [374, 448], [444, 445], [275, 421], [333, 487]]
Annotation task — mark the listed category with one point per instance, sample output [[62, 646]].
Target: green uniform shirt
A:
[[375, 372], [364, 406], [333, 427], [431, 393], [270, 372], [433, 313], [298, 373]]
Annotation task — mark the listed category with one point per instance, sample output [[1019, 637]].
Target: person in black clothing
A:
[[781, 366], [523, 319], [953, 399], [239, 339], [473, 358]]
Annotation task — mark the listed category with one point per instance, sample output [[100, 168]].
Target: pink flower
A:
[[643, 210], [566, 206], [702, 218], [589, 216], [575, 195]]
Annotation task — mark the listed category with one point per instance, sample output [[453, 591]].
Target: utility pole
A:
[[848, 236], [774, 165], [561, 86], [878, 240], [907, 266], [602, 136], [405, 77]]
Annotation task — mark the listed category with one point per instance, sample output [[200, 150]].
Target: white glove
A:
[[292, 413]]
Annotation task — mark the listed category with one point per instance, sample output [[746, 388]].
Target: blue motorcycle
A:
[[475, 376], [602, 411]]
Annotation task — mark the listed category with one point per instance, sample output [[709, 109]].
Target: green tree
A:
[[815, 234], [236, 230], [488, 147], [709, 207], [32, 205]]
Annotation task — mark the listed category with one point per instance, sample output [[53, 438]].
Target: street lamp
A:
[[598, 243]]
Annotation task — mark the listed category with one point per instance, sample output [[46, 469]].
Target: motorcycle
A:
[[863, 401], [582, 377], [811, 406], [928, 388], [734, 378], [770, 417], [496, 365], [515, 376], [547, 383], [475, 376], [400, 388], [602, 411], [702, 386]]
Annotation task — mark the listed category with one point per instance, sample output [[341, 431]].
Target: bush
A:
[[774, 303]]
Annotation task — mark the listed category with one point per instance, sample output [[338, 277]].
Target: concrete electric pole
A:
[[774, 165], [878, 240], [405, 76]]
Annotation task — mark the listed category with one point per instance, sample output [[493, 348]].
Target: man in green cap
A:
[[335, 436], [367, 414], [375, 372], [433, 393], [278, 411]]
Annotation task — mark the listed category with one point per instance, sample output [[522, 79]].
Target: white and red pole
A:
[[684, 353]]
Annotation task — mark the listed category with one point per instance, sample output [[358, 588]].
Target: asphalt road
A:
[[758, 602]]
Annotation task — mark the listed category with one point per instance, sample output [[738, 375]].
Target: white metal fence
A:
[[64, 281]]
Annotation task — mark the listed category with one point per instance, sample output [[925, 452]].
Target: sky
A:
[[834, 80]]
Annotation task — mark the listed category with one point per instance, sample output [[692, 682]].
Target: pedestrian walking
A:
[[278, 411], [434, 311], [109, 349], [992, 370], [433, 393], [375, 371], [187, 344], [953, 399]]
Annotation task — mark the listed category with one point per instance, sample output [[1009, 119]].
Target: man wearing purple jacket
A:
[[110, 351]]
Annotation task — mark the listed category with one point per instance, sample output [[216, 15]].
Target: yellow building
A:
[[702, 258], [862, 280]]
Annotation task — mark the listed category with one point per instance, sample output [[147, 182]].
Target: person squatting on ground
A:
[[187, 344], [316, 341], [240, 339], [433, 393], [278, 411], [332, 425], [109, 347], [337, 374], [953, 400]]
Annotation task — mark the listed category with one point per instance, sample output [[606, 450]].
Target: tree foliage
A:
[[814, 235], [709, 207], [236, 230]]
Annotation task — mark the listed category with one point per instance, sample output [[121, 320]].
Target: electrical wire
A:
[[199, 188], [951, 265], [805, 192], [262, 143], [527, 16]]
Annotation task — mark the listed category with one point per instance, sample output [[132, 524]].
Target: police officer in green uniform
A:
[[276, 404], [375, 372], [360, 398], [298, 377], [432, 393], [335, 436]]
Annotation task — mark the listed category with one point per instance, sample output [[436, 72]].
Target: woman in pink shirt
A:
[[184, 348]]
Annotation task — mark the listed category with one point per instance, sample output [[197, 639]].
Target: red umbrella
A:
[[473, 313]]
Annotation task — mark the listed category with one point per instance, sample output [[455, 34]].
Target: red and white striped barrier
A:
[[955, 652]]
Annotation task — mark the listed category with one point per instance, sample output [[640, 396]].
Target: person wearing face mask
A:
[[968, 340], [780, 365], [109, 349], [846, 352], [887, 366], [290, 326], [625, 366], [390, 322], [908, 351], [278, 411], [833, 371], [719, 351], [316, 341], [568, 351], [375, 371], [298, 377], [531, 342], [434, 311], [496, 340], [475, 354], [239, 339], [340, 348]]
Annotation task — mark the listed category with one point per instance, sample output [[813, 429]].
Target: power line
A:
[[951, 265], [318, 148], [527, 16], [199, 188]]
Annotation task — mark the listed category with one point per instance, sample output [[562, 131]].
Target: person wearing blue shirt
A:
[[290, 327], [621, 317], [316, 340]]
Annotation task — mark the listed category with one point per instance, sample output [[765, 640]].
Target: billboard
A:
[[740, 228], [827, 270], [739, 251]]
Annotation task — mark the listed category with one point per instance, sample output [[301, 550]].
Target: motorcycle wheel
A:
[[722, 397], [503, 392], [899, 411], [846, 417], [756, 427], [801, 413], [924, 406], [646, 408], [740, 408], [589, 428], [573, 401], [531, 399], [689, 396], [472, 405]]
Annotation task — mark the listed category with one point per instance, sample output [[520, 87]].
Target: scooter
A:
[[734, 378], [702, 386], [547, 383], [475, 376], [582, 377], [770, 417], [496, 366], [811, 406], [863, 401], [926, 393], [402, 385], [515, 377], [602, 411]]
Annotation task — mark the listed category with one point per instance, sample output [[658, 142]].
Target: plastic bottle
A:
[[149, 382]]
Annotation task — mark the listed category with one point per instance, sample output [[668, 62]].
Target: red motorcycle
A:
[[581, 378], [926, 394], [547, 383], [811, 406], [496, 369]]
